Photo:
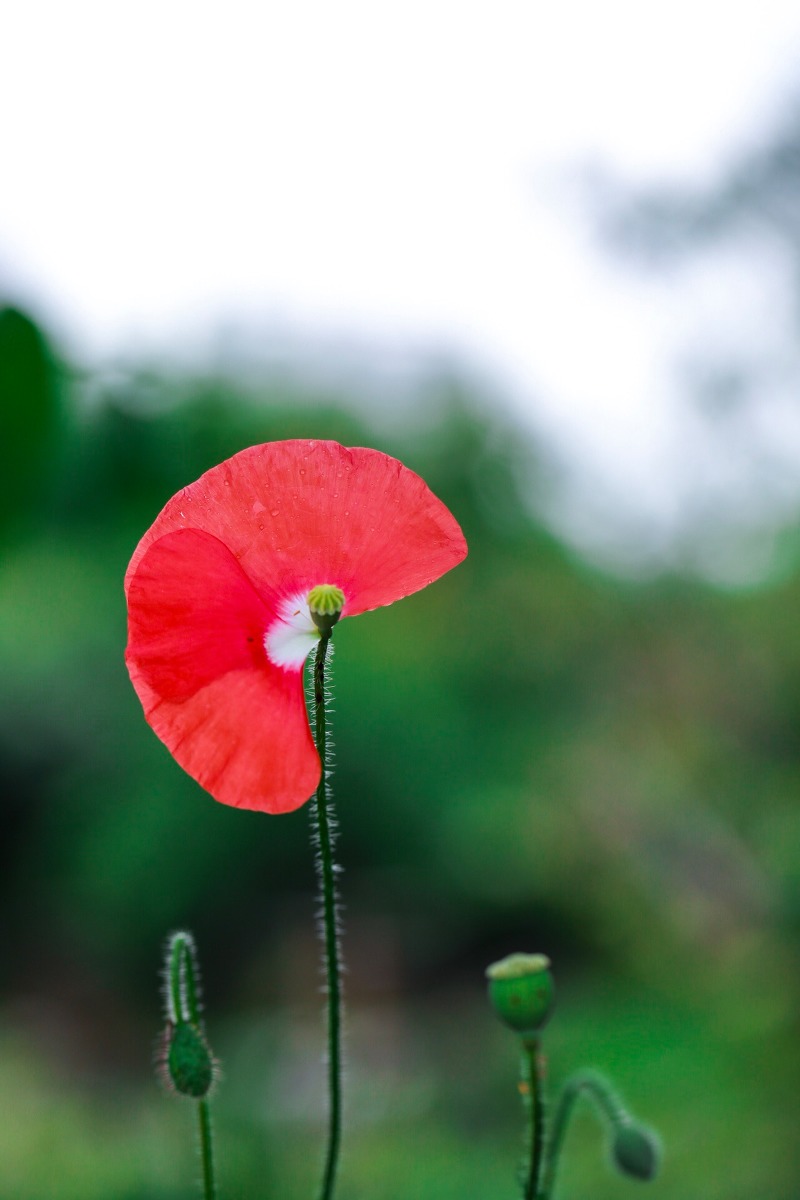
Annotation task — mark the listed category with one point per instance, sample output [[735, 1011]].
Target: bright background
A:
[[550, 260]]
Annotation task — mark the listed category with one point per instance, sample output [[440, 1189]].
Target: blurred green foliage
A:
[[531, 755]]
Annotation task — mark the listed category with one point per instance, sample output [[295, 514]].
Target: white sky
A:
[[392, 172]]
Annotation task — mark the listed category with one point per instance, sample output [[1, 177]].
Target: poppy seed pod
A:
[[521, 991], [325, 603]]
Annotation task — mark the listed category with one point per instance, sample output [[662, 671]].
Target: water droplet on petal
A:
[[275, 512]]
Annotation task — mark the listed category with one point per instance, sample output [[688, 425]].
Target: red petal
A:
[[232, 719], [299, 513], [193, 614]]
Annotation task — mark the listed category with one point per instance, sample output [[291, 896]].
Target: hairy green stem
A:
[[178, 950], [532, 1087], [206, 1151], [327, 882], [182, 979]]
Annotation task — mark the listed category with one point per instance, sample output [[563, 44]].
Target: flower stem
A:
[[326, 872], [206, 1151], [532, 1088]]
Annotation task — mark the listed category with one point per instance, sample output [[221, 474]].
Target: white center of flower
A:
[[292, 636]]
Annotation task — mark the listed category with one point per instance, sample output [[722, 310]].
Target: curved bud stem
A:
[[326, 871], [609, 1106], [183, 991]]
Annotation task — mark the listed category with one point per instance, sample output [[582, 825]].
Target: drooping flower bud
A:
[[635, 1150], [521, 991], [325, 603], [185, 1062]]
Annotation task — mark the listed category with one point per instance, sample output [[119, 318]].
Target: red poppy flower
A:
[[218, 619]]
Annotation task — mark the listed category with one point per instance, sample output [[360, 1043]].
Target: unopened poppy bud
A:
[[325, 603], [184, 1059], [521, 991], [636, 1151], [186, 1063]]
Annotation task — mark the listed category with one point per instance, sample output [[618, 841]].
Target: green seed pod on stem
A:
[[325, 603], [521, 991]]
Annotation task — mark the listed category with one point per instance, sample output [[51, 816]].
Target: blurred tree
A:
[[729, 251], [29, 418]]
